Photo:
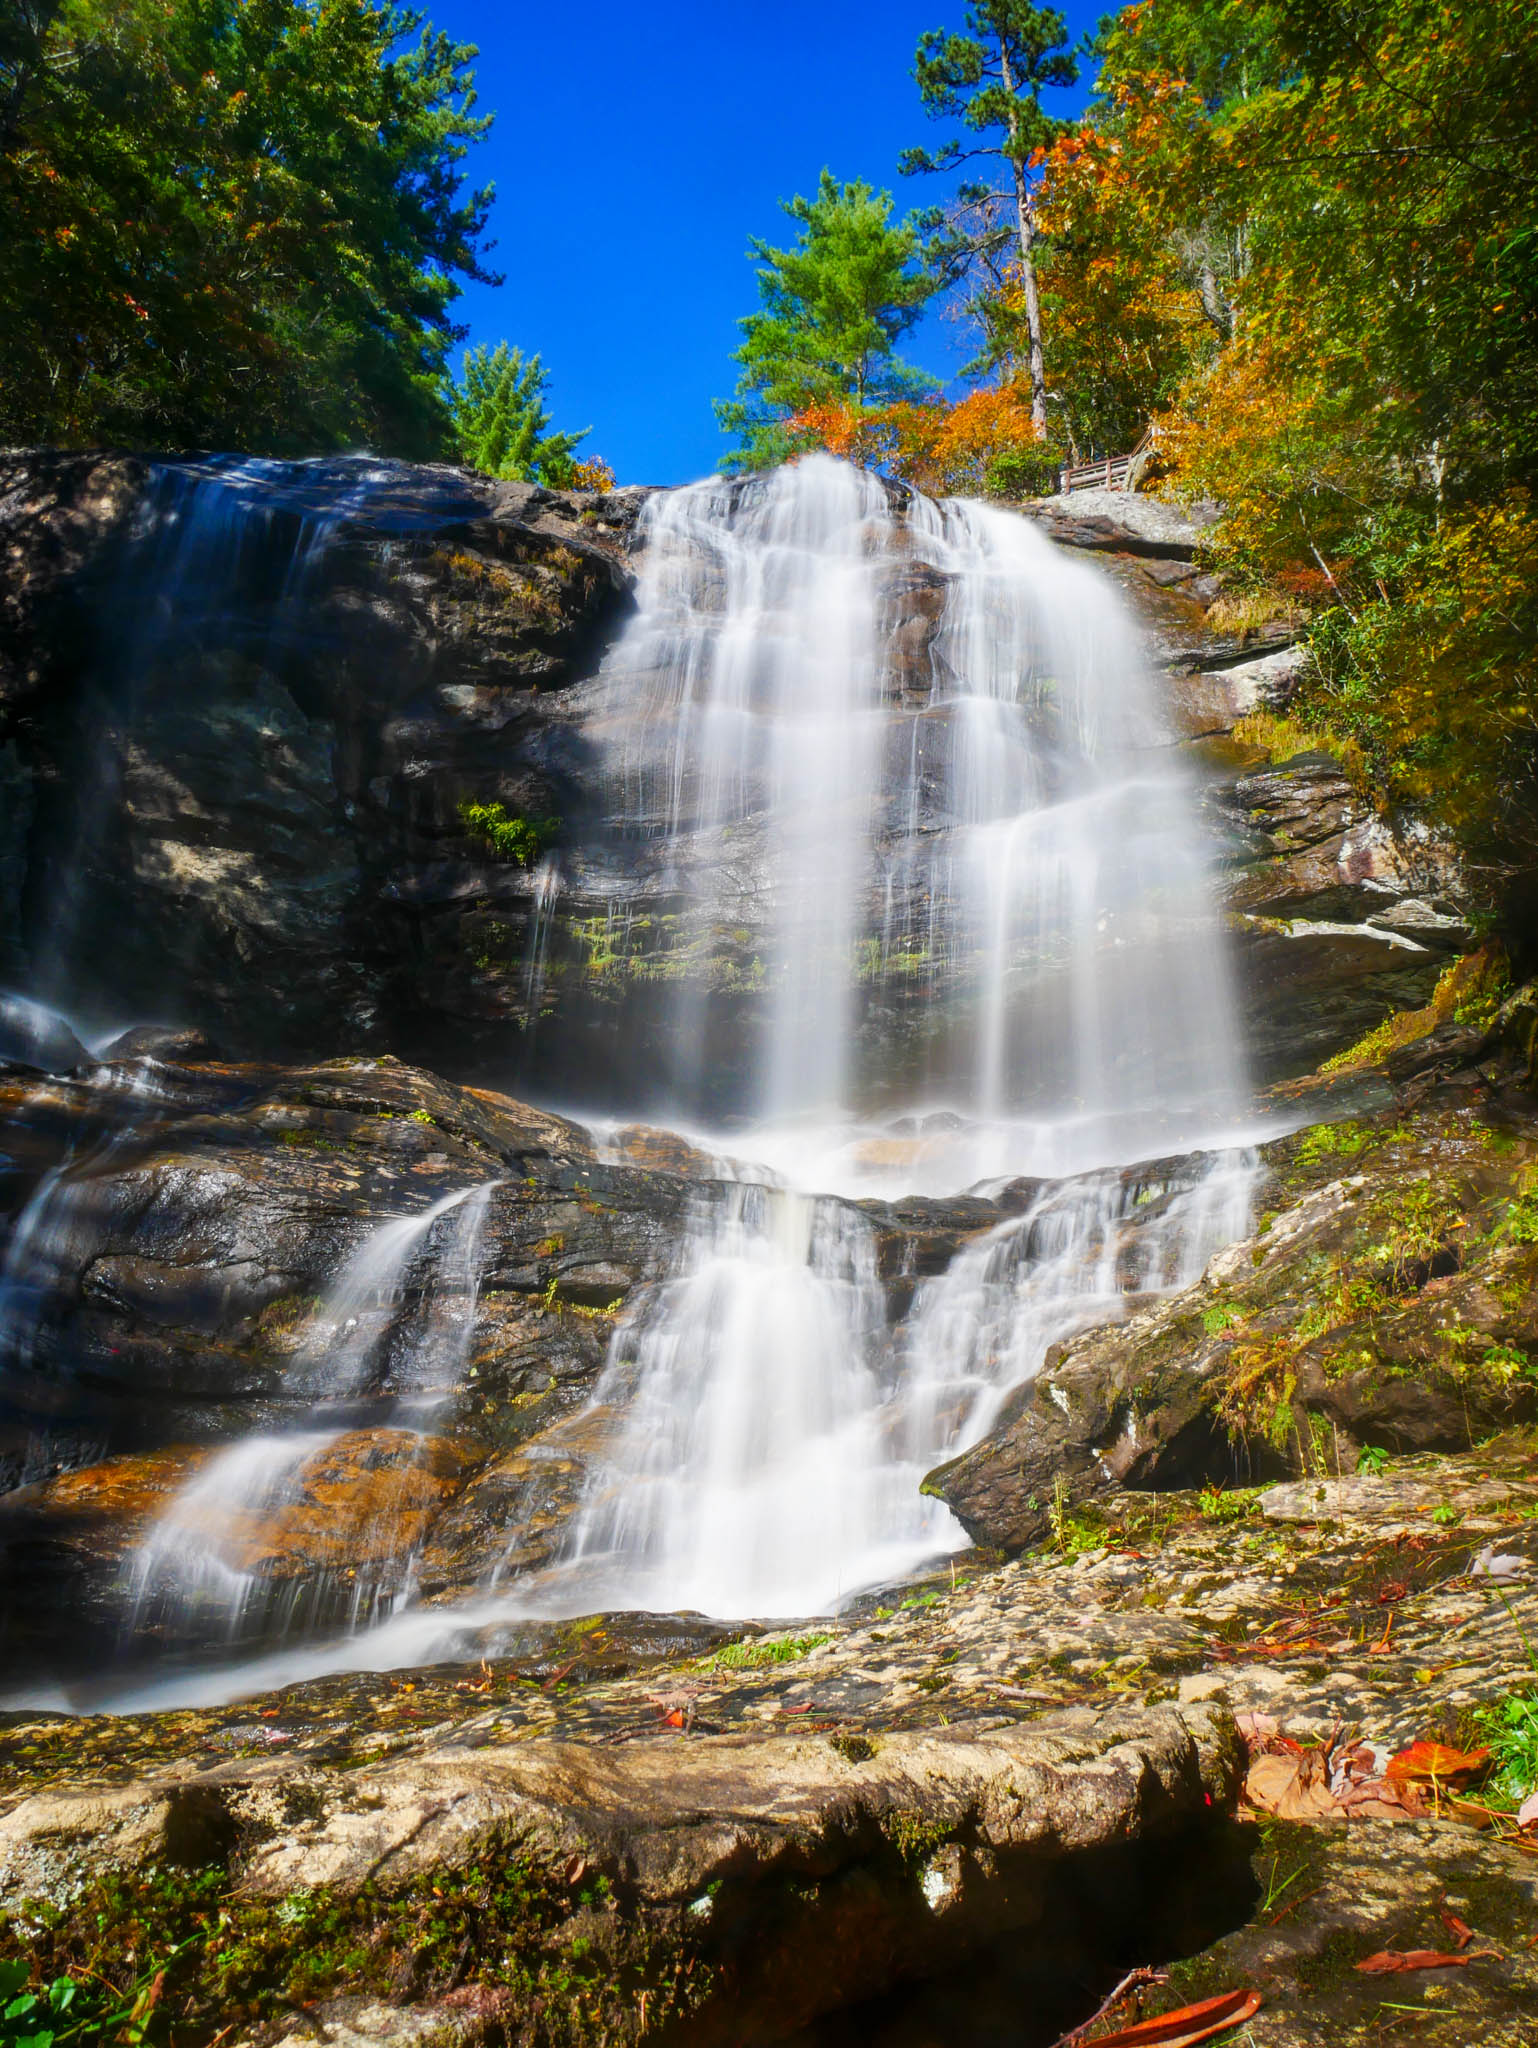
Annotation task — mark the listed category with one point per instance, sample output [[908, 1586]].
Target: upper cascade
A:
[[899, 769]]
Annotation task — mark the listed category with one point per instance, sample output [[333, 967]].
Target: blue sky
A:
[[635, 151]]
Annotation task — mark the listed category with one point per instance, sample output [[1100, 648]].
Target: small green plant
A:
[[421, 1116], [1520, 1223], [777, 1650], [1332, 1141], [1225, 1504], [1510, 1728], [1507, 1363], [1372, 1461], [28, 2018], [1220, 1317], [509, 838], [64, 2011], [1445, 1515]]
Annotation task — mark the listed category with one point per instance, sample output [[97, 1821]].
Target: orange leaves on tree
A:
[[930, 444]]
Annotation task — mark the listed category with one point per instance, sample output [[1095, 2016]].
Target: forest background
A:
[[1290, 247]]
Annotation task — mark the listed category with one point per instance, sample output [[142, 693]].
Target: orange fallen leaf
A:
[[1390, 1960], [1190, 2024], [1436, 1762], [1460, 1930], [677, 1718]]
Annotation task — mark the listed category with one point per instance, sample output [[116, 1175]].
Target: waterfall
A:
[[912, 746], [748, 1474], [937, 921], [207, 1564], [915, 748]]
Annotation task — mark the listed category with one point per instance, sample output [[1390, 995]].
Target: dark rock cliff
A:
[[243, 709], [238, 724]]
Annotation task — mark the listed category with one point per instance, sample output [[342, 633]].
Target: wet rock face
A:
[[1388, 1300], [184, 1226], [239, 720], [170, 1297]]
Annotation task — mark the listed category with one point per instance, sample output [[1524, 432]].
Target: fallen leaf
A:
[[1256, 1728], [1436, 1763], [1390, 1961], [1291, 1787], [1190, 2024], [1383, 1799], [1460, 1930], [1527, 1812]]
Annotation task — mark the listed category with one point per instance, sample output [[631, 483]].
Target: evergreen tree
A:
[[234, 223], [500, 419], [834, 308], [991, 79]]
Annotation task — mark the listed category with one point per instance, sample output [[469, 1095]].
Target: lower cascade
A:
[[935, 1024]]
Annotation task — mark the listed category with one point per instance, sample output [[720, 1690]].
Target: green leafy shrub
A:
[[509, 838], [1023, 472]]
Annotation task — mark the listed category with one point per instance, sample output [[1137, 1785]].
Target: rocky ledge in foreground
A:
[[988, 1802]]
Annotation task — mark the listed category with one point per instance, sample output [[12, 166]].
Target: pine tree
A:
[[500, 419], [834, 307], [991, 79]]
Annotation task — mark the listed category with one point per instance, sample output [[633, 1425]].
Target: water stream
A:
[[917, 748]]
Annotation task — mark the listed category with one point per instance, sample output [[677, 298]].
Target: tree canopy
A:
[[239, 223], [833, 309]]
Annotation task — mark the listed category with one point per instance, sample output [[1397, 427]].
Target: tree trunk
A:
[[1032, 303], [1027, 253], [1216, 307]]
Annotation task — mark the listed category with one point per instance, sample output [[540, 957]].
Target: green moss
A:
[[913, 1837], [231, 1959]]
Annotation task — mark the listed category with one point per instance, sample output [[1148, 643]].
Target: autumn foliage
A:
[[984, 442]]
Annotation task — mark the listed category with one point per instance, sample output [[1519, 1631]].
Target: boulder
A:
[[1388, 1299], [32, 1035]]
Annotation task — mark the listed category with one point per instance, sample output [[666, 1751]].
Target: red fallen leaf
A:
[[677, 1718], [804, 1708], [1460, 1930], [1389, 1961], [1395, 1589], [1436, 1761], [1190, 2024]]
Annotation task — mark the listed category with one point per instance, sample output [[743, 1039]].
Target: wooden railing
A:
[[1108, 473]]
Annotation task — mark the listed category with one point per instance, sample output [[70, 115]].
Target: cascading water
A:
[[914, 746], [201, 1569], [940, 923]]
